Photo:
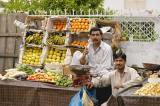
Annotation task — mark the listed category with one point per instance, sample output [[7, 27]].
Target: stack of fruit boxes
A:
[[47, 43], [32, 45]]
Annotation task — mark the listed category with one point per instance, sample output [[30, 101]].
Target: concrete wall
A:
[[119, 4], [114, 4], [140, 52]]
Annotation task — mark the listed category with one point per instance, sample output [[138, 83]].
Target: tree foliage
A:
[[50, 5], [2, 4]]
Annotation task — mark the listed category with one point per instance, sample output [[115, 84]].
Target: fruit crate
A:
[[31, 56], [81, 24], [78, 40], [36, 22], [57, 24], [56, 39], [33, 38], [55, 55]]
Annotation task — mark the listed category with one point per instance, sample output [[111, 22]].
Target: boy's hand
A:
[[89, 85]]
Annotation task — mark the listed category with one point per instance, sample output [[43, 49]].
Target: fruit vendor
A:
[[98, 54], [122, 77]]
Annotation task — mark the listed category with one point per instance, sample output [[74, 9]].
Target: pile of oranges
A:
[[80, 25], [59, 25], [79, 43]]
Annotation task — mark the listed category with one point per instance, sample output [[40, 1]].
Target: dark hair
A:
[[95, 29], [120, 54]]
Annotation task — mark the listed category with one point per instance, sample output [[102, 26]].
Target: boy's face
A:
[[96, 37], [119, 63]]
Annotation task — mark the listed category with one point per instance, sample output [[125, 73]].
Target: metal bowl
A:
[[152, 67], [80, 69]]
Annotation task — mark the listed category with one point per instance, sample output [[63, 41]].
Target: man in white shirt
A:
[[122, 77], [98, 54]]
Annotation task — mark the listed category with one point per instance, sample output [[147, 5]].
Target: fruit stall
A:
[[44, 75]]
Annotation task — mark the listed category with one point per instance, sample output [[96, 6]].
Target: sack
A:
[[84, 98]]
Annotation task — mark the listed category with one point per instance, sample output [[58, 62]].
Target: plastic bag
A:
[[68, 58], [84, 98], [86, 101]]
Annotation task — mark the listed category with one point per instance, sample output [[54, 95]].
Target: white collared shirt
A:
[[128, 78], [101, 58]]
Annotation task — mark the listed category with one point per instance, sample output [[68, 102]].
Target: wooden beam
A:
[[11, 35], [8, 56]]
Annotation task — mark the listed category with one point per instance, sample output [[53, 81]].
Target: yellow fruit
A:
[[63, 55], [53, 60], [58, 54]]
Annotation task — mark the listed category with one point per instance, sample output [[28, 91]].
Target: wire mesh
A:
[[140, 28]]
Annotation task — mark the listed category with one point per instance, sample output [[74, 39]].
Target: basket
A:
[[80, 69], [151, 66]]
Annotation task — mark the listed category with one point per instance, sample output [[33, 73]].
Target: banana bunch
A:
[[34, 39], [56, 40]]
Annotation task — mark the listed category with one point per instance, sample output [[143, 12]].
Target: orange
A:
[[83, 27], [87, 27], [72, 23], [74, 30], [76, 26], [82, 23], [77, 20], [73, 20], [75, 23], [85, 23], [78, 30], [80, 20], [84, 20], [73, 27], [79, 26]]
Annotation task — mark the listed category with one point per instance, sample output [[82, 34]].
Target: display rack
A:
[[48, 38]]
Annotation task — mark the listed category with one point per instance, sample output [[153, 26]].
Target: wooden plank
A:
[[2, 45], [8, 56], [21, 17], [11, 28], [11, 35], [1, 64], [10, 45], [8, 63], [3, 25]]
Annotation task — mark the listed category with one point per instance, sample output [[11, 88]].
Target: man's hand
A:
[[89, 85], [83, 58], [85, 52]]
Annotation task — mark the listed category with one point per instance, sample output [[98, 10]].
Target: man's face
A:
[[119, 63], [95, 37]]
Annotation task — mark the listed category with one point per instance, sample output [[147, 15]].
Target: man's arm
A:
[[135, 79], [103, 81]]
